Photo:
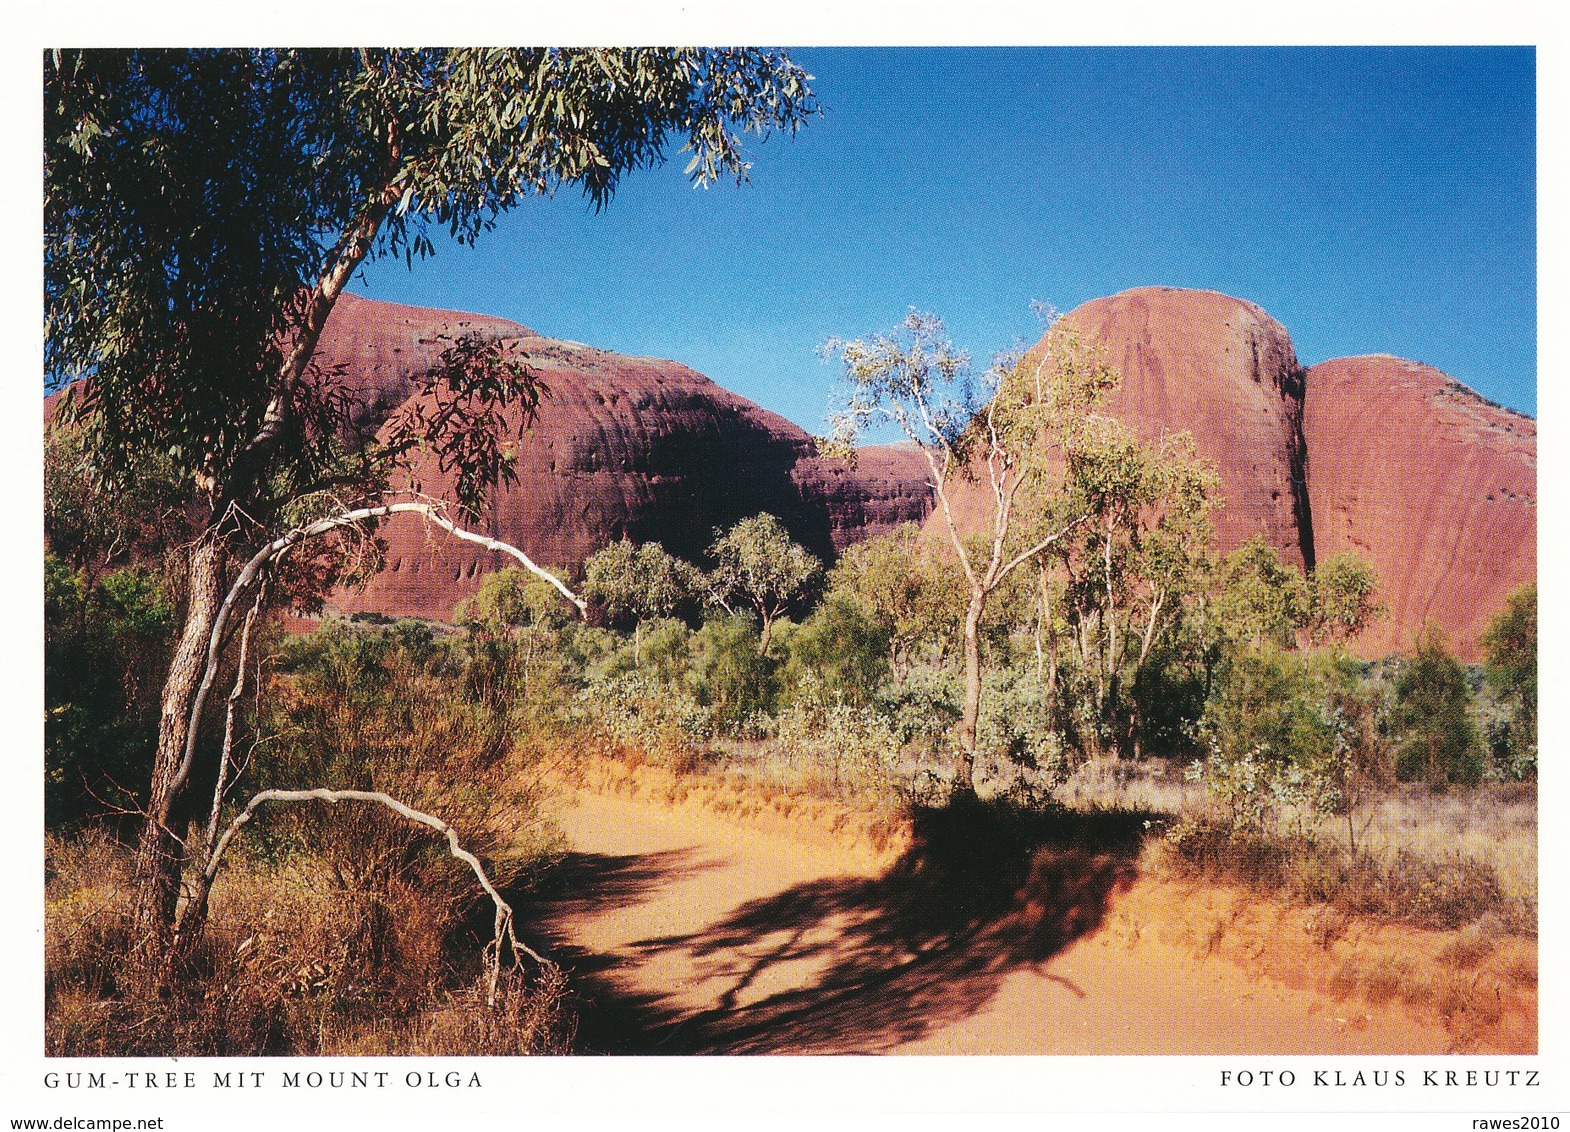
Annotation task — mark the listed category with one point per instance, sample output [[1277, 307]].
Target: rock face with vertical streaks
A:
[[1433, 485], [1225, 371]]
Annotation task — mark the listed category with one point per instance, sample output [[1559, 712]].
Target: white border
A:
[[903, 1092]]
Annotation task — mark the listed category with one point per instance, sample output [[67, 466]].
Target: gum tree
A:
[[638, 583], [1343, 599], [1511, 668], [1008, 459], [1132, 571], [759, 566], [1431, 715], [203, 212]]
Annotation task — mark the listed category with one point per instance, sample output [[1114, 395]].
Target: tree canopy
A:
[[1262, 601], [759, 566], [1437, 736], [1511, 669], [204, 209], [1342, 598], [1016, 449]]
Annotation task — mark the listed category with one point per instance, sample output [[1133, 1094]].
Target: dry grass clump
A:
[[1493, 824], [1400, 887], [292, 962], [333, 928], [762, 796], [87, 883], [1152, 785], [330, 925], [798, 765], [1480, 981], [1430, 859], [530, 1017]]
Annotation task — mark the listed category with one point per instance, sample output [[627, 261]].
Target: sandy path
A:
[[691, 934]]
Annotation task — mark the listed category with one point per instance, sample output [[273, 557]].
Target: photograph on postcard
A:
[[915, 550]]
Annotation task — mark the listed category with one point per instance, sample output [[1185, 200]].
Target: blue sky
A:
[[1374, 200]]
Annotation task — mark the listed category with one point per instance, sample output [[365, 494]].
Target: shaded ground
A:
[[992, 933]]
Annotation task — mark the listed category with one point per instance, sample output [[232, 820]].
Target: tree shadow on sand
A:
[[864, 964], [610, 1017]]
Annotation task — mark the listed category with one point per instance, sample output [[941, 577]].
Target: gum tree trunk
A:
[[160, 853], [965, 760]]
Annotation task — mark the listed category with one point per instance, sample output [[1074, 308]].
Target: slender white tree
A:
[[1014, 452]]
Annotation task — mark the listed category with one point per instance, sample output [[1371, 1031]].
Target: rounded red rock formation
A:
[[1225, 371], [375, 349], [628, 447], [1431, 484]]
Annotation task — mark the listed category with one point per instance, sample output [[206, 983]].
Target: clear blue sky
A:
[[1374, 200]]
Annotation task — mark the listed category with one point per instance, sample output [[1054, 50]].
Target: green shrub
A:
[[668, 652], [842, 648], [1437, 740], [1511, 642], [1016, 725], [1287, 732], [634, 711], [733, 677], [854, 744], [1168, 694], [925, 710], [106, 647]]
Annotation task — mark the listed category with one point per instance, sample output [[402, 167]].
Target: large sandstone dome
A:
[[375, 350], [1434, 486], [1431, 484], [621, 447], [1225, 371]]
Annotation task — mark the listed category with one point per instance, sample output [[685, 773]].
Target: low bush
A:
[[1402, 888], [851, 746], [634, 713], [733, 676], [329, 924]]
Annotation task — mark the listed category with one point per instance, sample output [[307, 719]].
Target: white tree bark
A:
[[505, 935], [252, 570], [226, 757]]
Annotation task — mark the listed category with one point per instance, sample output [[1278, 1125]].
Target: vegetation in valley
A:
[[1278, 761], [1119, 646]]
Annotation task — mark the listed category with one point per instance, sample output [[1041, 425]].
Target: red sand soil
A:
[[691, 933]]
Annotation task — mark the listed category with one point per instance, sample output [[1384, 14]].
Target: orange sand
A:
[[692, 933]]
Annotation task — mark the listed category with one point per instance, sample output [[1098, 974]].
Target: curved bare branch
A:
[[505, 934], [278, 546]]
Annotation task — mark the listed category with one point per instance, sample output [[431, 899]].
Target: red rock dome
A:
[[1434, 486], [621, 446], [1225, 371]]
